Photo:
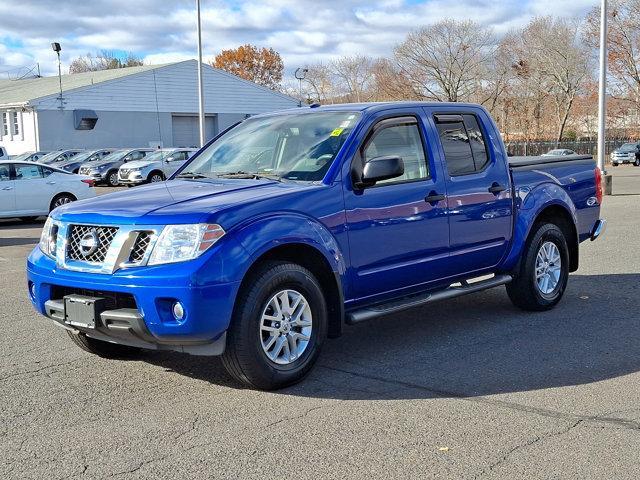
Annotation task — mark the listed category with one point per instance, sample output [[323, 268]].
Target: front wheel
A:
[[636, 163], [278, 327], [156, 177], [544, 270], [112, 178]]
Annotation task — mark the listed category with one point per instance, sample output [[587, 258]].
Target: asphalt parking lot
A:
[[471, 388]]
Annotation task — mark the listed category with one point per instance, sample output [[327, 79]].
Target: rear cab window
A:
[[463, 143]]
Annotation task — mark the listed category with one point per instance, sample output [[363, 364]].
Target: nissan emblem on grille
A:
[[89, 243]]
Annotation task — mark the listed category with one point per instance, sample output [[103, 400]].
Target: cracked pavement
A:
[[467, 389]]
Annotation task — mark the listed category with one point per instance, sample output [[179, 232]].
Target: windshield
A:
[[22, 156], [53, 156], [157, 155], [297, 146], [628, 147], [83, 156], [113, 157]]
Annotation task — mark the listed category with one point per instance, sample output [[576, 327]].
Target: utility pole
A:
[[602, 91], [200, 88]]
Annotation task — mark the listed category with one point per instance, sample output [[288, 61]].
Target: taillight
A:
[[598, 178], [89, 181]]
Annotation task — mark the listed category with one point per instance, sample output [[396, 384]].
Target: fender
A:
[[275, 229], [530, 202]]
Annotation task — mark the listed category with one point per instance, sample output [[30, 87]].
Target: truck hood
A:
[[176, 201], [139, 164]]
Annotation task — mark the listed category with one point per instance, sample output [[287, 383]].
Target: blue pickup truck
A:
[[289, 225]]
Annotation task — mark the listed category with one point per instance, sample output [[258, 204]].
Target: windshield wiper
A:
[[246, 175], [191, 175]]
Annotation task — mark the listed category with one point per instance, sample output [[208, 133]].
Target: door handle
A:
[[496, 188], [51, 183], [7, 188], [434, 197]]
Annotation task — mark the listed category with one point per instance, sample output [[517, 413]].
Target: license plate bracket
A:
[[83, 311]]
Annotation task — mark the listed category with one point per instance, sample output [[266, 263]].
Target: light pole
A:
[[57, 48], [200, 88], [300, 74], [602, 91]]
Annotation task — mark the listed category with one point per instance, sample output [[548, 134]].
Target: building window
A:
[[5, 123], [15, 124]]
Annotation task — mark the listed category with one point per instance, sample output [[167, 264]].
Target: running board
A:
[[367, 313]]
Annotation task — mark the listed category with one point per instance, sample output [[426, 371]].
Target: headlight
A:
[[49, 238], [178, 243]]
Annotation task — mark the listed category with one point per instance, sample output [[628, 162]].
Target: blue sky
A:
[[303, 31]]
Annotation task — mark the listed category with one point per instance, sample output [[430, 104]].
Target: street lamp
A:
[[57, 48], [200, 88], [300, 74], [602, 90]]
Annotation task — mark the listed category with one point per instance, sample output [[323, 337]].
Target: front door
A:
[[398, 237], [478, 190], [33, 190]]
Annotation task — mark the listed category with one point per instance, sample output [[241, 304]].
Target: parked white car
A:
[[155, 167], [29, 190]]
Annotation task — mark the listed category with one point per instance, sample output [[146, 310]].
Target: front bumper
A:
[[147, 321], [134, 178]]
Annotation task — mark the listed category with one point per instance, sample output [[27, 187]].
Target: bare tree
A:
[[103, 60], [353, 77], [319, 85], [389, 83], [446, 61]]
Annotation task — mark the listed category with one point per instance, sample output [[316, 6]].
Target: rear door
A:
[[479, 200], [7, 190]]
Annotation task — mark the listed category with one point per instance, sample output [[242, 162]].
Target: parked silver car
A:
[[54, 158], [155, 167], [74, 163], [29, 157], [105, 170]]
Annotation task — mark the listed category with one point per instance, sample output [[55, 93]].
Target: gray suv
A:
[[155, 167], [105, 170]]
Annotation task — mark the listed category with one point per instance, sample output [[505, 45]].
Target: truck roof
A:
[[371, 107]]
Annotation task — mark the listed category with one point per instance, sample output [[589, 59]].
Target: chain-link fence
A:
[[588, 147]]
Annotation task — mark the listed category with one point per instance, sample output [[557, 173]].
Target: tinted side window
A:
[[403, 141], [46, 172], [27, 172], [476, 140], [457, 150]]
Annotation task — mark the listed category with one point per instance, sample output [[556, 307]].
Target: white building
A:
[[151, 105]]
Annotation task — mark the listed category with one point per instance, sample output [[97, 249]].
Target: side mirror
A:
[[381, 168]]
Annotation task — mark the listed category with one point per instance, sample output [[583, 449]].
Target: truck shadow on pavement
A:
[[473, 346]]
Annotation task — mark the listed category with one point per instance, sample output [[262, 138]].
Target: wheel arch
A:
[[58, 195], [155, 170]]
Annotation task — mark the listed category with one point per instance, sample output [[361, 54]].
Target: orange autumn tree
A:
[[259, 65]]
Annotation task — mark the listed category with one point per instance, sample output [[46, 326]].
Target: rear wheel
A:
[[103, 349], [112, 178], [544, 270], [636, 163], [61, 199], [278, 327]]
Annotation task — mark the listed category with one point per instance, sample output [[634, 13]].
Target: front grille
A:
[[140, 247], [103, 235], [124, 172]]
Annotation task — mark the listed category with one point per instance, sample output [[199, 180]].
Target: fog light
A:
[[178, 311], [33, 291]]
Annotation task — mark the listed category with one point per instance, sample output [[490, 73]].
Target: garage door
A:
[[186, 133]]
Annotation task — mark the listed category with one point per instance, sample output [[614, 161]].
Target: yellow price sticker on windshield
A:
[[337, 132]]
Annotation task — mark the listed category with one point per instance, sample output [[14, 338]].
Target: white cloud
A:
[[303, 31]]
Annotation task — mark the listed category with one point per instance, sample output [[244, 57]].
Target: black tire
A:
[[636, 163], [61, 199], [112, 178], [103, 349], [244, 357], [155, 177], [614, 164], [523, 290]]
